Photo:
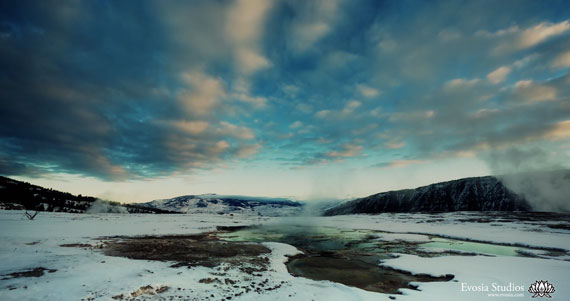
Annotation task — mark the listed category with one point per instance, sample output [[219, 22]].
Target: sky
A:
[[141, 100]]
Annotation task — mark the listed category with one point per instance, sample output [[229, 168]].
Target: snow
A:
[[213, 196], [478, 270], [87, 273]]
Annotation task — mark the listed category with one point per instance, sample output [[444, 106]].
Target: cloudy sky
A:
[[139, 100]]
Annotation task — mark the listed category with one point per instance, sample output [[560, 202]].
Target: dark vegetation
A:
[[18, 195], [468, 194]]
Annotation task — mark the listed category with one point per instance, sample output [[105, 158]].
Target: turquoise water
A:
[[309, 238], [334, 239]]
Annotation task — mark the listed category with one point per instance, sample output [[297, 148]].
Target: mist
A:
[[101, 206], [540, 175], [545, 191]]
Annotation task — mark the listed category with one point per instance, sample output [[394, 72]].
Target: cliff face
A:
[[469, 194]]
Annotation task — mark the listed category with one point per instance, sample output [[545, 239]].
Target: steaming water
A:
[[317, 238], [302, 237], [353, 256]]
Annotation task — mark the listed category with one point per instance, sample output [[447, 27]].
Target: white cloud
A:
[[312, 22], [191, 127], [541, 32], [256, 101], [245, 18], [290, 90], [562, 60], [305, 108], [239, 132], [204, 95], [367, 91], [322, 113], [517, 39], [498, 75], [350, 107], [241, 92], [196, 29], [308, 34], [482, 113], [348, 150], [250, 60], [403, 163], [500, 33], [220, 146], [460, 83], [245, 151], [244, 27], [529, 91], [346, 112], [525, 61], [561, 130], [376, 112], [296, 124], [394, 144]]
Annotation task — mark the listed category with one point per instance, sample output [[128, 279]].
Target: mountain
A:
[[228, 204], [468, 194], [18, 195]]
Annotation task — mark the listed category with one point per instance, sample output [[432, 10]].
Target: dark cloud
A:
[[128, 89], [84, 86]]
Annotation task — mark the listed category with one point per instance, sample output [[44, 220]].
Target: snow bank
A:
[[86, 273]]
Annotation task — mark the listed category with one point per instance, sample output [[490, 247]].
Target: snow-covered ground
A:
[[88, 274]]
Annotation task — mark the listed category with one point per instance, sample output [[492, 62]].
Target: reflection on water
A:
[[332, 239], [350, 257], [353, 256], [305, 238]]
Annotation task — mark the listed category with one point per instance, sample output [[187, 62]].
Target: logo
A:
[[541, 289]]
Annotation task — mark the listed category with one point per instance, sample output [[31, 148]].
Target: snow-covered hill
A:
[[228, 204]]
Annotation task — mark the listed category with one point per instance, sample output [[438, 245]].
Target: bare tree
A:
[[31, 216]]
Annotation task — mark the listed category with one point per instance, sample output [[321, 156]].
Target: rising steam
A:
[[101, 206], [541, 176]]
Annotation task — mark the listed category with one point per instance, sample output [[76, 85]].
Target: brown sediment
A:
[[76, 245], [190, 250], [231, 228], [358, 271], [565, 226]]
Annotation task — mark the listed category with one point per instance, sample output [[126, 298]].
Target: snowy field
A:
[[85, 273]]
